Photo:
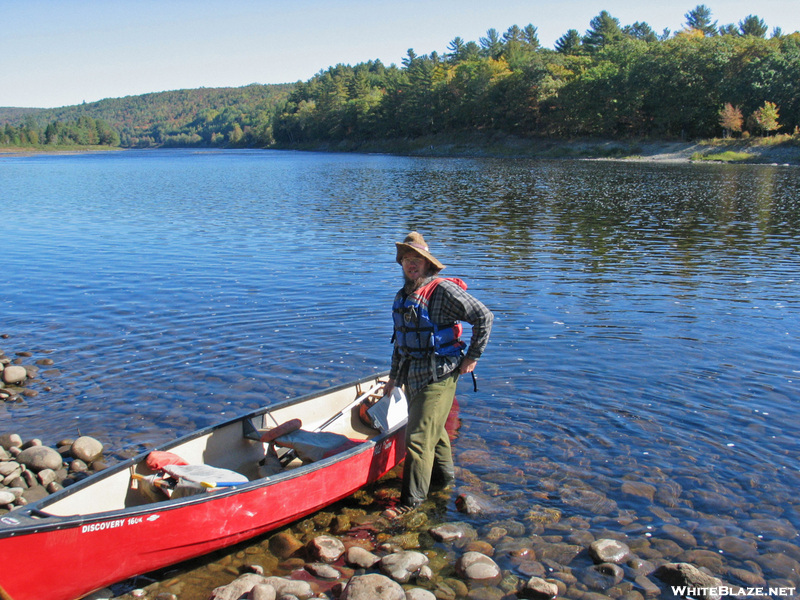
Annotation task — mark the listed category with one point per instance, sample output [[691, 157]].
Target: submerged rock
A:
[[400, 566], [689, 575], [373, 587], [609, 551], [537, 588], [477, 567]]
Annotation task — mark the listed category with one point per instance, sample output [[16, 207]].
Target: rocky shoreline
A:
[[477, 145], [30, 470], [504, 547]]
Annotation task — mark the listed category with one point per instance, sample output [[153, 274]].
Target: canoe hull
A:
[[64, 558]]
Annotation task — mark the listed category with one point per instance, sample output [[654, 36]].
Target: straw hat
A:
[[416, 243]]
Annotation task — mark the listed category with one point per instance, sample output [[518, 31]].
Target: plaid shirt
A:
[[448, 303]]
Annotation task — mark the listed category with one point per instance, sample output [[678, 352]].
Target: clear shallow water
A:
[[646, 315]]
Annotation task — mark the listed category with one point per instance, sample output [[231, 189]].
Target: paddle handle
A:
[[355, 402]]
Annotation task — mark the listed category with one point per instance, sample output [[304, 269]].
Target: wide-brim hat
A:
[[416, 243]]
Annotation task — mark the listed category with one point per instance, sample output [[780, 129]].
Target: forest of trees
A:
[[613, 81], [228, 117], [84, 131], [706, 80]]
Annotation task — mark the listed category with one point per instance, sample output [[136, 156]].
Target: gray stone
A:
[[30, 478], [689, 575], [680, 535], [301, 589], [372, 587], [537, 588], [648, 587], [640, 567], [737, 547], [8, 467], [640, 489], [237, 588], [477, 567], [425, 574], [471, 503], [14, 374], [323, 571], [6, 497], [326, 548], [531, 568], [37, 458], [32, 494], [10, 440], [87, 449], [419, 594], [360, 557], [78, 466], [603, 576], [561, 553], [262, 591], [780, 565], [779, 528], [46, 477], [609, 551], [450, 532], [402, 565]]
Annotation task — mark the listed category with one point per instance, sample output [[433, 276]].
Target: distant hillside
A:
[[200, 117]]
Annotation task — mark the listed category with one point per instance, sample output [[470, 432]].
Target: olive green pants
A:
[[427, 441]]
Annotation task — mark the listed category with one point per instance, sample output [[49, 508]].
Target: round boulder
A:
[[10, 440], [326, 548], [14, 374], [609, 551], [538, 589], [477, 567], [87, 449], [400, 566], [373, 587], [37, 458]]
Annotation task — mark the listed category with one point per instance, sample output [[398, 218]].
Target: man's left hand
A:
[[468, 365]]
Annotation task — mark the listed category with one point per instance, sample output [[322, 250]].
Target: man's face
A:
[[414, 266]]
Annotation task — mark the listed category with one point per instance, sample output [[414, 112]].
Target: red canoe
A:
[[105, 528]]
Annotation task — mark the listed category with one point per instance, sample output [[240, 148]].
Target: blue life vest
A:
[[414, 332]]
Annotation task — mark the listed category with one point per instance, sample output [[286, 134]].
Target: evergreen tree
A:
[[752, 25], [604, 30], [640, 31], [569, 43], [699, 19], [491, 45]]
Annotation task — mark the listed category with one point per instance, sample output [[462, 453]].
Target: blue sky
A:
[[63, 52]]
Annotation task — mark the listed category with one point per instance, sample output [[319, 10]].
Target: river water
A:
[[644, 367]]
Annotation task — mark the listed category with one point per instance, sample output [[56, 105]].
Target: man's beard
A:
[[411, 285]]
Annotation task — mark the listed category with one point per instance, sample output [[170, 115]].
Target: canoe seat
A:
[[311, 446]]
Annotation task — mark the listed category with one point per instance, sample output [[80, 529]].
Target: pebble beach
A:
[[504, 547]]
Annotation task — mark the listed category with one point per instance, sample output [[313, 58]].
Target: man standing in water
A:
[[428, 358]]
